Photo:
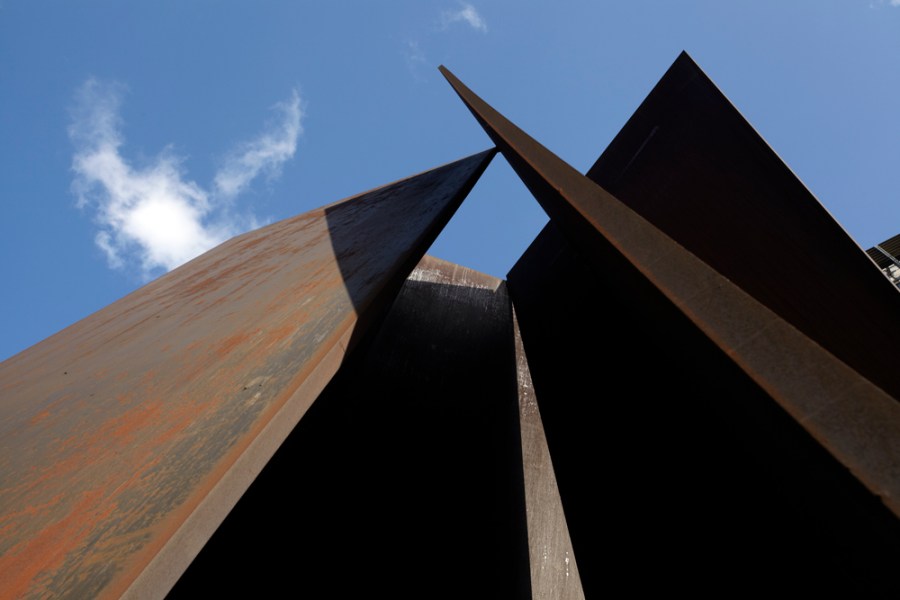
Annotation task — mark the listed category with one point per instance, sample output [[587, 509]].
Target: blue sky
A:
[[136, 134]]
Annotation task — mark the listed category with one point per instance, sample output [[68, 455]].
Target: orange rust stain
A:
[[47, 550], [71, 457], [276, 335], [192, 368], [251, 243], [39, 417], [87, 447], [129, 424], [54, 544], [11, 519], [230, 343], [217, 276]]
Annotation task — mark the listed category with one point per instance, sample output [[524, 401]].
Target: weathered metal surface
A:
[[126, 438], [855, 420], [554, 572], [688, 162], [405, 476], [657, 437]]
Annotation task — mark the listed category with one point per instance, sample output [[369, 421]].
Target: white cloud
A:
[[265, 154], [466, 13], [415, 58], [152, 217], [895, 2]]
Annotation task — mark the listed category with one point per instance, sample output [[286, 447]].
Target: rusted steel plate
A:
[[126, 438], [855, 420], [657, 437], [554, 572], [406, 473], [688, 162]]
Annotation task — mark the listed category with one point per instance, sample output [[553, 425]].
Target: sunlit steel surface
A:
[[554, 570], [126, 438]]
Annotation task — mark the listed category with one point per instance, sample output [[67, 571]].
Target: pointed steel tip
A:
[[458, 86], [448, 75], [685, 57]]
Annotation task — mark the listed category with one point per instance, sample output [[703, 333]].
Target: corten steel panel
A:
[[658, 438], [127, 437], [855, 420], [689, 163], [554, 572], [404, 479]]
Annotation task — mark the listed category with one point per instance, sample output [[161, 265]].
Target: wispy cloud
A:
[[152, 218], [265, 154], [466, 13], [415, 58]]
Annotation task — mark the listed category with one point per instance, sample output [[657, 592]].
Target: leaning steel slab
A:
[[554, 571], [854, 419], [688, 162], [126, 438]]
